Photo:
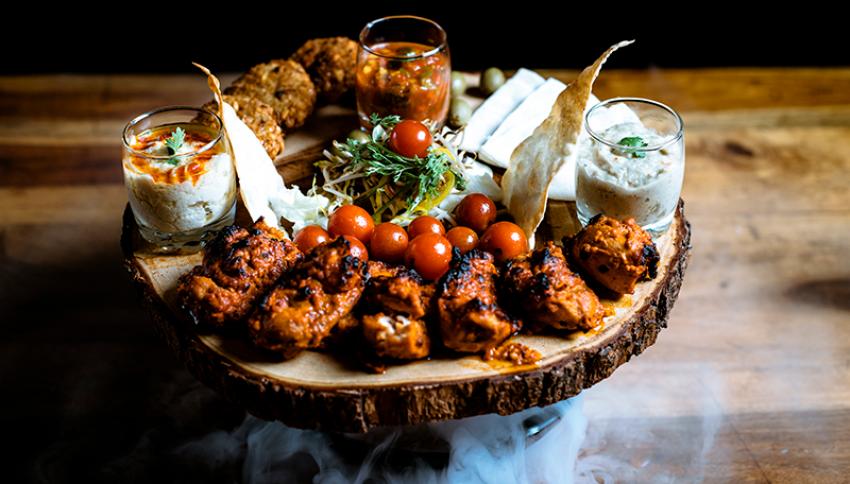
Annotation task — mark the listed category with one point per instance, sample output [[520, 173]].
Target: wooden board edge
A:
[[360, 410]]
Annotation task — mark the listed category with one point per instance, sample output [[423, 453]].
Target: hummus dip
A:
[[183, 190], [621, 182]]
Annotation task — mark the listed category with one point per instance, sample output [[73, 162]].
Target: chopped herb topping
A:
[[635, 142]]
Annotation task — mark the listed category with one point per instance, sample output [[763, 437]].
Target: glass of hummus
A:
[[631, 163], [179, 176]]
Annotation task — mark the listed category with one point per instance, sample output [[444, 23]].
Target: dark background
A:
[[166, 37]]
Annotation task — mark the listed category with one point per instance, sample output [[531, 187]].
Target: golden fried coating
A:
[[395, 304], [258, 116], [303, 309], [396, 336], [239, 265], [615, 254], [282, 84], [470, 318], [541, 287], [331, 63]]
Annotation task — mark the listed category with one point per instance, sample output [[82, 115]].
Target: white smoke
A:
[[624, 429], [486, 449]]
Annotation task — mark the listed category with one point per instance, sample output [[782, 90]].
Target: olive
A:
[[459, 113], [359, 136], [458, 84], [492, 79]]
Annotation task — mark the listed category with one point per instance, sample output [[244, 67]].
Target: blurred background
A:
[[751, 381], [163, 38]]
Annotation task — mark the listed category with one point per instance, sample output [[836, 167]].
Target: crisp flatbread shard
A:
[[536, 161], [261, 187]]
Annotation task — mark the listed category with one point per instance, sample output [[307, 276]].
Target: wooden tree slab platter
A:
[[317, 390]]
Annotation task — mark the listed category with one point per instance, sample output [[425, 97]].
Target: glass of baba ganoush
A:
[[632, 164], [179, 176]]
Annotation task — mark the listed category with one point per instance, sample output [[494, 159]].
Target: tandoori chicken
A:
[[239, 265], [306, 305], [470, 318], [615, 254], [542, 289], [396, 303]]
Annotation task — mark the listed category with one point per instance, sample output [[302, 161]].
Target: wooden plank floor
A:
[[750, 383]]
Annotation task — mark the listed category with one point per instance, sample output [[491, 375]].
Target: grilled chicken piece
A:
[[397, 336], [470, 318], [543, 289], [397, 301], [405, 292], [615, 254], [303, 309], [378, 268], [239, 265]]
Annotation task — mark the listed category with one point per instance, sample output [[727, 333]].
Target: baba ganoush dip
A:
[[180, 178], [638, 174]]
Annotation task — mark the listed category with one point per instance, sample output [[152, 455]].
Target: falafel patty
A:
[[331, 63], [282, 84]]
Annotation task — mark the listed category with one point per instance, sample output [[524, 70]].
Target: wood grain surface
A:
[[753, 374]]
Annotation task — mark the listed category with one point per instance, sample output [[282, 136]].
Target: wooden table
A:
[[751, 382]]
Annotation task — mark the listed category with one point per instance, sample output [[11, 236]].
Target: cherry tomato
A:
[[357, 248], [389, 241], [351, 220], [425, 225], [429, 254], [311, 236], [464, 238], [410, 138], [476, 211], [505, 240]]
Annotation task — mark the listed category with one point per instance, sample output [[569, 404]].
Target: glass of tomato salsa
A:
[[403, 68]]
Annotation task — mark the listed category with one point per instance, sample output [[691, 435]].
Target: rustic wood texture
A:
[[758, 340], [315, 390]]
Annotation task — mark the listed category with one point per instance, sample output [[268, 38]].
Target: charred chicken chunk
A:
[[470, 318], [404, 293], [239, 265], [303, 309], [396, 301], [397, 336], [615, 254], [545, 291]]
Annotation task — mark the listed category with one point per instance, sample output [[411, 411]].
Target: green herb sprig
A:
[[635, 142], [174, 143]]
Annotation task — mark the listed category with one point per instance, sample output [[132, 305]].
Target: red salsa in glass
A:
[[409, 79]]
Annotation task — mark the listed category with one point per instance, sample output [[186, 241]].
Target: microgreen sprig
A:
[[174, 143], [635, 142]]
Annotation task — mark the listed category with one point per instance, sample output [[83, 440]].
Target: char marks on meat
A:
[[469, 316]]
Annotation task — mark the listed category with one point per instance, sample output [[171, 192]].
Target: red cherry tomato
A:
[[476, 211], [357, 248], [505, 240], [389, 241], [429, 254], [351, 220], [410, 138], [311, 236], [425, 224], [464, 238]]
